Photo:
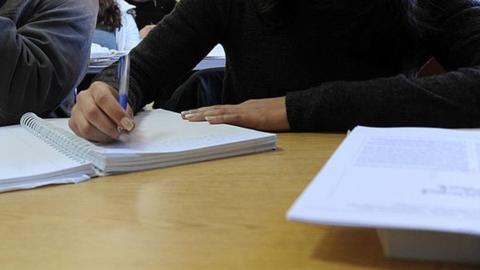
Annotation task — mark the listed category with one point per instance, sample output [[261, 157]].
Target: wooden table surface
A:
[[221, 214]]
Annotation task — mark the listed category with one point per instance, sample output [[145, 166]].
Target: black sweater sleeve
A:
[[448, 100], [44, 48], [173, 48]]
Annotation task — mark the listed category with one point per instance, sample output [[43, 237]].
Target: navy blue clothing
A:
[[105, 39]]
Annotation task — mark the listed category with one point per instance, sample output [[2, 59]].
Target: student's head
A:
[[109, 16]]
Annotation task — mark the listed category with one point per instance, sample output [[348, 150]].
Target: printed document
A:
[[398, 178]]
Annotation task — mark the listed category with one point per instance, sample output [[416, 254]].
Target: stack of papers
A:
[[420, 186], [102, 57]]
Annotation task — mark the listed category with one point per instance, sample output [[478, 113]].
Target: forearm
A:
[[450, 100], [172, 49]]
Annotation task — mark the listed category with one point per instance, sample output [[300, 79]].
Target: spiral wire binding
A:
[[63, 141]]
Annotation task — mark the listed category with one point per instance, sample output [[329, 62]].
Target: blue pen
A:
[[124, 68]]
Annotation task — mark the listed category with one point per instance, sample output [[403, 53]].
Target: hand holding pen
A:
[[98, 115]]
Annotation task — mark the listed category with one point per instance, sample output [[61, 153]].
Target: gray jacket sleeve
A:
[[44, 51]]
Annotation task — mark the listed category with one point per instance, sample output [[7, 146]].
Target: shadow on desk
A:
[[361, 247]]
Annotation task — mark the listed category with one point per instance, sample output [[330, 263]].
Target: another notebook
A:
[[41, 152]]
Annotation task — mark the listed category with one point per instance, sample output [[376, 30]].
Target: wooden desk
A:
[[223, 214]]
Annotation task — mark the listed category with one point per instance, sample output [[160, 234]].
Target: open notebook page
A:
[[25, 156], [161, 131]]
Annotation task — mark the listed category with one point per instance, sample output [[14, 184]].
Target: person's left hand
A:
[[269, 114], [146, 30]]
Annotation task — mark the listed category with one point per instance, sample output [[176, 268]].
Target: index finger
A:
[[104, 97]]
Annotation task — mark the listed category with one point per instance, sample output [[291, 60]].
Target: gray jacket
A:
[[44, 51]]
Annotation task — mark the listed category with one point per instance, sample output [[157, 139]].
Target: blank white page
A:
[[217, 52], [161, 131], [24, 155]]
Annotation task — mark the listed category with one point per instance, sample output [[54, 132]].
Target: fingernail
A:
[[123, 137], [191, 112], [191, 115], [127, 124]]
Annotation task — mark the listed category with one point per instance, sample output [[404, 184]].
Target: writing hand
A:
[[269, 114], [97, 115]]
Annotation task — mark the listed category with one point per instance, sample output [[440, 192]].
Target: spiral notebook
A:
[[41, 152]]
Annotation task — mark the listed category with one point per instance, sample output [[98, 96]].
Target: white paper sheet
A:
[[406, 178]]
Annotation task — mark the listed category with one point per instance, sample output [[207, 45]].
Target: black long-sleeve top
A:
[[44, 49], [335, 73]]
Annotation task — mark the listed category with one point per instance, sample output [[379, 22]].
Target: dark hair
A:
[[109, 16]]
